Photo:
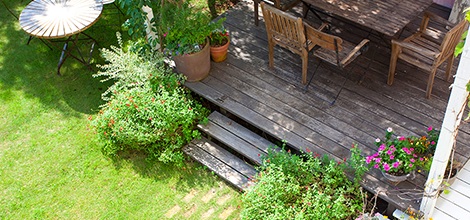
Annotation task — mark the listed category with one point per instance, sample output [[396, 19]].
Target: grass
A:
[[51, 168]]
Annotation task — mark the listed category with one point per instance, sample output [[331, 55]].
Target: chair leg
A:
[[430, 83], [393, 63], [271, 51], [304, 66], [256, 12], [450, 62]]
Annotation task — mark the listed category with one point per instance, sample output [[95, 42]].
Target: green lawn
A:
[[51, 168]]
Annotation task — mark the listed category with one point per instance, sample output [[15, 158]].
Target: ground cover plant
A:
[[52, 168], [292, 187]]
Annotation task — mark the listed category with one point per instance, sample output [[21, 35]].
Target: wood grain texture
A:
[[387, 17], [51, 19]]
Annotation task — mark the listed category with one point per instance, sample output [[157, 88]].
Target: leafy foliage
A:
[[459, 47], [129, 69], [147, 110], [292, 187], [184, 29]]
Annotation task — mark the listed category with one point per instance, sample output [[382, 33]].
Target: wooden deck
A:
[[272, 99]]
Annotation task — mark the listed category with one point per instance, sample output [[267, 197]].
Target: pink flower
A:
[[165, 34], [414, 155], [412, 149], [430, 128], [405, 149], [396, 164], [412, 160], [391, 157], [432, 142], [411, 165], [381, 148], [389, 152], [386, 167], [368, 159], [402, 138], [376, 166], [422, 159], [408, 152], [389, 129], [378, 160], [375, 155]]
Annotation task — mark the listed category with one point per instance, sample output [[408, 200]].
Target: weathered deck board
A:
[[272, 99]]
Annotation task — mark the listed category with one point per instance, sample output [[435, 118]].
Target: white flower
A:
[[389, 129], [377, 140]]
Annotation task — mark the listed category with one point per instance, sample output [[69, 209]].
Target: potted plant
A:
[[220, 40], [185, 34], [398, 158]]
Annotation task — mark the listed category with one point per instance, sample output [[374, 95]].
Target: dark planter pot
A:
[[395, 180], [194, 66], [219, 54]]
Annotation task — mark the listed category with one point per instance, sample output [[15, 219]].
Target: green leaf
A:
[[446, 191], [130, 31]]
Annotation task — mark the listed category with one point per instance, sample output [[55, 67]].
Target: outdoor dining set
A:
[[426, 49]]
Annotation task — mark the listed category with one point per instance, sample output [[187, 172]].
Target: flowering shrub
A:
[[402, 155], [184, 29], [291, 187], [219, 37], [158, 122], [147, 108]]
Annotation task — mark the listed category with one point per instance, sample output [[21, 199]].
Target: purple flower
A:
[[176, 52]]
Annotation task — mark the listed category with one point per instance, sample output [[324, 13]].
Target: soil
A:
[[216, 44], [452, 174], [398, 173]]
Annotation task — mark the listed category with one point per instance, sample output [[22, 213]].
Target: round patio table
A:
[[52, 19]]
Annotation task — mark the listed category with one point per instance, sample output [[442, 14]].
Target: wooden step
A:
[[237, 137], [223, 163]]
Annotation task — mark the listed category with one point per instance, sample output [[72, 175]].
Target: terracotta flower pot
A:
[[219, 54], [194, 66], [395, 180]]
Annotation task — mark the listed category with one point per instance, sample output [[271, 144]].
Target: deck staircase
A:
[[241, 141]]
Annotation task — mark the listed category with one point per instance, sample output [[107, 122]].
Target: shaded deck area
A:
[[272, 99]]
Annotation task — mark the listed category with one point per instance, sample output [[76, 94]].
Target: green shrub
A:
[[291, 187], [147, 107]]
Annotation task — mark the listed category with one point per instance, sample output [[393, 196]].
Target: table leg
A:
[[61, 61]]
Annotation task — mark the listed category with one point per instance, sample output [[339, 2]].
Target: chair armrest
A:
[[358, 50], [438, 18], [415, 48], [309, 24]]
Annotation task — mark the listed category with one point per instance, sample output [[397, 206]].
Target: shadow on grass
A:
[[32, 68], [187, 177]]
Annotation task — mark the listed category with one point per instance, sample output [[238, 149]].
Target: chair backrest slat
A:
[[283, 26], [324, 40], [452, 38]]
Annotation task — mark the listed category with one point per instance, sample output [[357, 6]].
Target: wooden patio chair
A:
[[282, 5], [289, 32], [336, 52], [424, 51]]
